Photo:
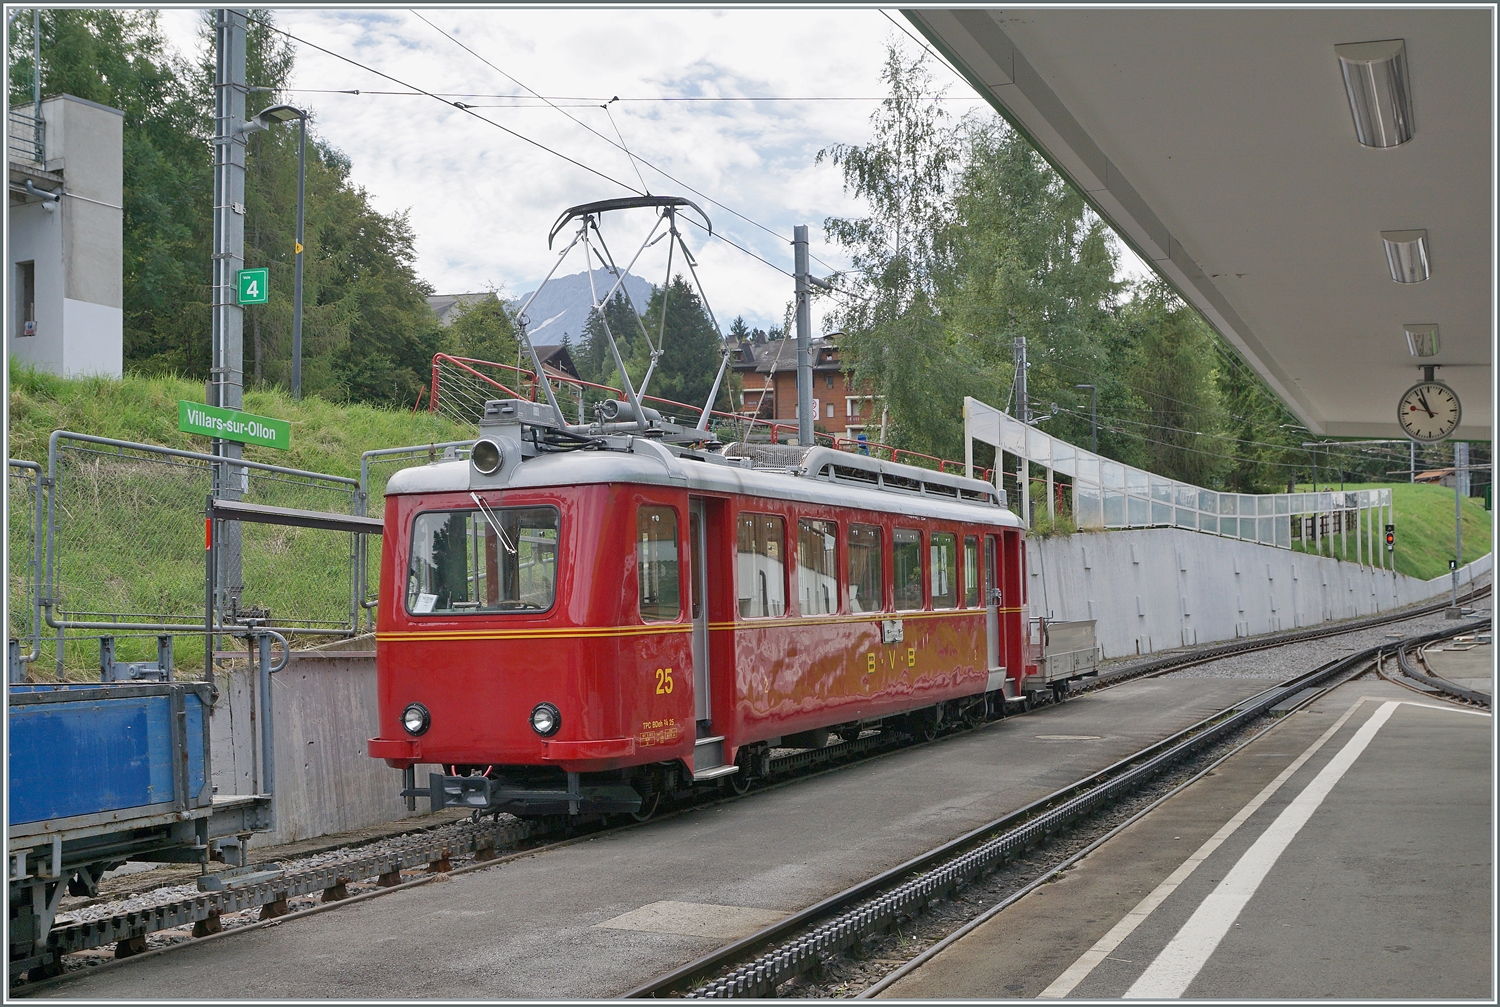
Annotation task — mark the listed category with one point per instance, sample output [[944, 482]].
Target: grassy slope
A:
[[146, 565], [326, 437], [1424, 528]]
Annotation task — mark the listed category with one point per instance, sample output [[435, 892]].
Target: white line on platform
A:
[[1185, 955], [1064, 984], [1090, 959]]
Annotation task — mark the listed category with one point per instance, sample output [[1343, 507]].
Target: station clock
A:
[[1429, 411]]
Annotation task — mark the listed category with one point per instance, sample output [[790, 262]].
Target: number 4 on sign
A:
[[254, 286]]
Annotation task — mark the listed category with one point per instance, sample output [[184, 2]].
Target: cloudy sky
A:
[[482, 199]]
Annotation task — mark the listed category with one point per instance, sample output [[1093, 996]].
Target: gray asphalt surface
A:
[[529, 928], [1384, 893]]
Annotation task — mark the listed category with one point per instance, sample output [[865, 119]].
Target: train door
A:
[[698, 601], [992, 599]]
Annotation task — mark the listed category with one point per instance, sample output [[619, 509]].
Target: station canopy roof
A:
[[1221, 145]]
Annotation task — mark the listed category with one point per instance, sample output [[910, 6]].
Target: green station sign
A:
[[255, 286], [232, 425]]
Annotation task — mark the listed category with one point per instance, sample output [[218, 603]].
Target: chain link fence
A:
[[128, 546], [23, 534]]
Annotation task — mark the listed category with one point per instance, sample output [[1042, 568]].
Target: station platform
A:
[[1346, 853], [601, 916], [1465, 663]]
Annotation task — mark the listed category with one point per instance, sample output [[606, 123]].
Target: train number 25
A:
[[663, 681]]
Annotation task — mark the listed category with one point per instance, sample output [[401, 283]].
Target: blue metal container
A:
[[86, 755]]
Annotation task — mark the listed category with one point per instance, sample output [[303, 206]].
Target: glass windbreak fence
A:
[[1108, 494]]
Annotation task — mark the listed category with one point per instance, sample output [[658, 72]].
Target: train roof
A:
[[816, 475]]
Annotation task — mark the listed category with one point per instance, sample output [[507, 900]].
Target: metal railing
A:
[[128, 546], [1110, 494], [460, 389], [26, 137]]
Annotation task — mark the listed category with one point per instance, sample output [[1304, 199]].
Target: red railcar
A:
[[582, 630]]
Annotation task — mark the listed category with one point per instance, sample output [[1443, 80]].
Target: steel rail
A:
[[1427, 678], [865, 909], [394, 856]]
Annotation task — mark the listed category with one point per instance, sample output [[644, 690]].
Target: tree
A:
[[368, 333], [691, 350], [484, 330], [594, 361]]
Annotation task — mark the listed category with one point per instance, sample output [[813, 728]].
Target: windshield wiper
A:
[[494, 523]]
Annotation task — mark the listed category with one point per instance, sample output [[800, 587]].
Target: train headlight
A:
[[487, 457], [545, 720], [416, 720]]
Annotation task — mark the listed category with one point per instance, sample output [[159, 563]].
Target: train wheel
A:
[[849, 735], [974, 716], [740, 782]]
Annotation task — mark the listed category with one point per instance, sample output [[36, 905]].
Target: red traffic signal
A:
[[1390, 538]]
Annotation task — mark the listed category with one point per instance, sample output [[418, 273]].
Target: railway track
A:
[[434, 851], [758, 964]]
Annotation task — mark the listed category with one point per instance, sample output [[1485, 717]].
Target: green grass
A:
[[1424, 528], [130, 535], [326, 436]]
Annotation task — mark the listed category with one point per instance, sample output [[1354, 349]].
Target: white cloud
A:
[[481, 200]]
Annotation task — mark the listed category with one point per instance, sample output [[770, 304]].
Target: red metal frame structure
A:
[[528, 390]]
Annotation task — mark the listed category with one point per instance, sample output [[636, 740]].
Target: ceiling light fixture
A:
[[1379, 98], [1422, 339], [1406, 251]]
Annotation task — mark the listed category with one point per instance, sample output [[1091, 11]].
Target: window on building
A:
[[906, 565], [656, 564], [760, 566], [830, 410], [25, 298], [944, 566], [829, 379], [866, 573], [817, 567], [971, 571], [464, 562]]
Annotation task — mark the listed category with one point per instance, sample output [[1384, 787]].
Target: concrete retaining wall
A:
[[1159, 588], [324, 707]]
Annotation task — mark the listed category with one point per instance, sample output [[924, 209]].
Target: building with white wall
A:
[[65, 303]]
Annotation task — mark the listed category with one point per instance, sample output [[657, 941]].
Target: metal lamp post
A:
[[265, 120]]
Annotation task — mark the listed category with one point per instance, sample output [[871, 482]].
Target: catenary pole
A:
[[804, 337], [228, 374]]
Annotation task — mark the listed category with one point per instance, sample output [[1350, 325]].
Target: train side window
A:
[[943, 547], [501, 559], [817, 567], [906, 565], [760, 567], [866, 578], [971, 571], [656, 564]]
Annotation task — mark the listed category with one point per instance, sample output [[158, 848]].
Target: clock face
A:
[[1429, 411]]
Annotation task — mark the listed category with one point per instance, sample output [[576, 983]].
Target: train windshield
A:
[[499, 559]]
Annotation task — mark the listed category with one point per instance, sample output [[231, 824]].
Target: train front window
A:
[[656, 566], [944, 567], [866, 578], [500, 559], [817, 567], [760, 575], [906, 549]]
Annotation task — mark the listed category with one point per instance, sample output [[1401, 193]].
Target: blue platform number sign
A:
[[255, 286]]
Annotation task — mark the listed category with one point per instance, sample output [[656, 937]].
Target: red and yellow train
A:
[[586, 624]]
